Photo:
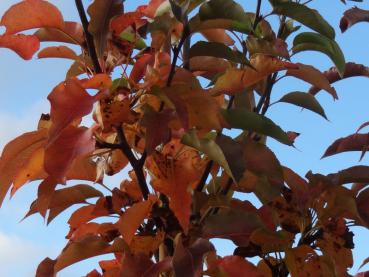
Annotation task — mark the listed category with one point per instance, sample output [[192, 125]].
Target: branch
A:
[[257, 15], [176, 51], [136, 164], [89, 38]]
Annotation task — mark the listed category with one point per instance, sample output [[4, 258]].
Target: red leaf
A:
[[69, 101], [24, 45], [70, 144]]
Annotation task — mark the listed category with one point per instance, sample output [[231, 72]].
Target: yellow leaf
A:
[[235, 80]]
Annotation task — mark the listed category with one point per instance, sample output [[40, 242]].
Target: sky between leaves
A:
[[25, 85]]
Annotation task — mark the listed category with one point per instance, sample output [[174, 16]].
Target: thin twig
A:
[[89, 38]]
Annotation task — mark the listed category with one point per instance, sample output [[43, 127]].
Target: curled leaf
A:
[[352, 17]]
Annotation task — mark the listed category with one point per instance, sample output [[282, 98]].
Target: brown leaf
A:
[[72, 32], [162, 266], [90, 246], [157, 129], [362, 202], [31, 14], [353, 16], [69, 145], [351, 70], [24, 45], [217, 35], [134, 265], [64, 198], [227, 225], [355, 142], [355, 174], [101, 12], [46, 268], [188, 261], [313, 76], [57, 52], [16, 155]]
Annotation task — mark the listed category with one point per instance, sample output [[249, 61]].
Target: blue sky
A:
[[25, 85]]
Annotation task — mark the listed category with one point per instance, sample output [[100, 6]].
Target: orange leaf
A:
[[57, 52], [62, 199], [234, 266], [60, 153], [235, 80], [45, 194], [139, 68], [150, 9], [69, 101], [16, 155], [175, 172], [90, 246], [133, 217], [72, 32], [24, 45], [217, 35], [146, 244], [122, 22], [313, 76], [30, 14], [32, 170], [98, 81]]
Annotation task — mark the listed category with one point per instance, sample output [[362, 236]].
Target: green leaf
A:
[[303, 14], [316, 42], [304, 100], [224, 14], [218, 50], [209, 147], [232, 150], [139, 42], [246, 120]]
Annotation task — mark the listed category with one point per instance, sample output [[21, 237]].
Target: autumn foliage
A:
[[161, 84]]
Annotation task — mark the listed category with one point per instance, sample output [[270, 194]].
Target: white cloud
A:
[[14, 124], [18, 256]]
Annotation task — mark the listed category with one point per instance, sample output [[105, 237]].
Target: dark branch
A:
[[136, 164], [89, 38]]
